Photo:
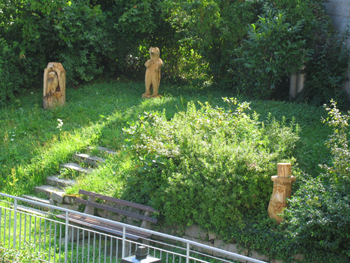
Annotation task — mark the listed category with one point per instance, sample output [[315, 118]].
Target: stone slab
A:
[[211, 236], [106, 150], [70, 199], [299, 258], [234, 248], [68, 206], [200, 249], [256, 255], [37, 199], [75, 167], [31, 210], [196, 232], [93, 160], [50, 191], [55, 180]]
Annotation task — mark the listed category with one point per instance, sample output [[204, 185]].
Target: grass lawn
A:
[[33, 144]]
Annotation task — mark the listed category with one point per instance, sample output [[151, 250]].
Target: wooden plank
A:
[[105, 227], [118, 211], [118, 201], [109, 225]]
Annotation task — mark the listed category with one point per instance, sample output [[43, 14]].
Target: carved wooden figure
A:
[[282, 189], [153, 71], [54, 86]]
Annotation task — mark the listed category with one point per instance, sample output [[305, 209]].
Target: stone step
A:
[[37, 199], [104, 149], [55, 180], [93, 160], [74, 207], [76, 167], [31, 210], [55, 193]]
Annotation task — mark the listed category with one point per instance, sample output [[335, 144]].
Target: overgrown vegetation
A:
[[249, 47], [196, 158], [34, 142], [208, 167], [320, 210], [25, 255]]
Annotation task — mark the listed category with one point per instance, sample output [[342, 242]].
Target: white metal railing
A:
[[48, 240]]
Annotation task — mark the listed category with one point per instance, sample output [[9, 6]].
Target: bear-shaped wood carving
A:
[[152, 77]]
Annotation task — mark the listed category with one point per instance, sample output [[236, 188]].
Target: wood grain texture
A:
[[284, 169], [118, 201]]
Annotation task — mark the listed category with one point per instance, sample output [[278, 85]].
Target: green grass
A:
[[32, 145], [33, 142]]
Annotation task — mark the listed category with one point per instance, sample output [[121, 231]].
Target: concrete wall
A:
[[339, 11]]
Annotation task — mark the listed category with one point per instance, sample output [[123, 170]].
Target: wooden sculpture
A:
[[54, 86], [152, 77], [282, 189]]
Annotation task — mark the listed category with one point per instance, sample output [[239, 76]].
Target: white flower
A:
[[60, 124]]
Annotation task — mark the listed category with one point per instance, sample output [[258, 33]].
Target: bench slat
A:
[[116, 210], [105, 227], [118, 201]]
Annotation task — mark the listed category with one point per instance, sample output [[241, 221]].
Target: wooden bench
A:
[[107, 227]]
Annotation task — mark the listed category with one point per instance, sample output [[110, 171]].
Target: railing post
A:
[[66, 240], [188, 253], [123, 242], [15, 224]]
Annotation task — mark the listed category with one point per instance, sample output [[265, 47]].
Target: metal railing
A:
[[52, 240]]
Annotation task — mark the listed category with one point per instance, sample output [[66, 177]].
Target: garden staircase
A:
[[55, 185]]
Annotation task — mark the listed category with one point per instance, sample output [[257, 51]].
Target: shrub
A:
[[216, 28], [208, 166], [319, 212], [25, 255], [274, 49], [326, 72], [82, 40], [38, 32], [11, 78]]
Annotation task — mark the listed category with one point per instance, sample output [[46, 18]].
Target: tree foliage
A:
[[251, 47]]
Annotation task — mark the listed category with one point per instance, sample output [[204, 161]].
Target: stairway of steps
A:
[[53, 190]]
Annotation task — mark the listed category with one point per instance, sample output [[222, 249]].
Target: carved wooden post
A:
[[282, 189], [54, 86]]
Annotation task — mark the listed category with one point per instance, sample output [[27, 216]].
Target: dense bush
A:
[[82, 42], [10, 75], [319, 212], [326, 72], [292, 37], [274, 49], [254, 47], [216, 28], [207, 166], [251, 47]]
